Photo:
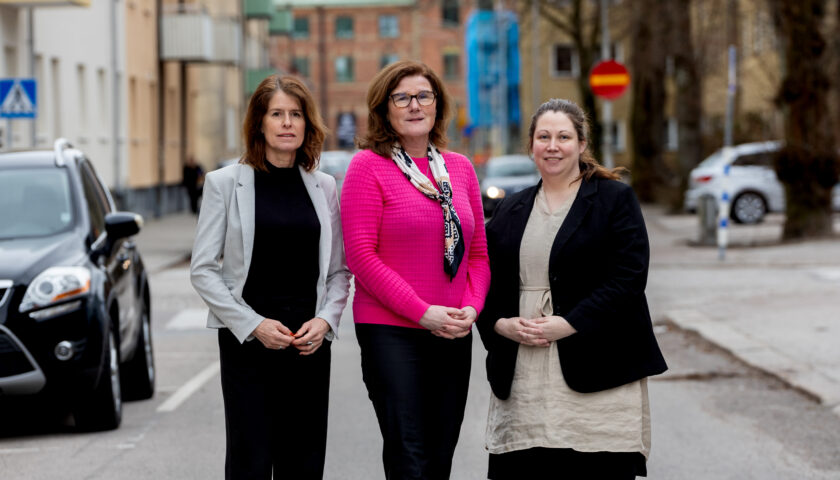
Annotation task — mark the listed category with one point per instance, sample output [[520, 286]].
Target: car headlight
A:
[[495, 192], [55, 284]]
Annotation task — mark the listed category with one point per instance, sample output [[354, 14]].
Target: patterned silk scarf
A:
[[453, 245]]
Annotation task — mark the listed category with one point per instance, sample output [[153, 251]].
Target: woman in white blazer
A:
[[269, 262]]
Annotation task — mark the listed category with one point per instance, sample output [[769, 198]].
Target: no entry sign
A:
[[609, 79]]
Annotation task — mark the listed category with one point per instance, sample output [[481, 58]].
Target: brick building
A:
[[338, 46]]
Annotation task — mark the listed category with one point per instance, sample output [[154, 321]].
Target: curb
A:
[[796, 374]]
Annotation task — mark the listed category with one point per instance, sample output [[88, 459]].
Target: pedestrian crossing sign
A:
[[18, 98]]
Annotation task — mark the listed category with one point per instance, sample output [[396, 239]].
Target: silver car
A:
[[753, 186], [505, 175]]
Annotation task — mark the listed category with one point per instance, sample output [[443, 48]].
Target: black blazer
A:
[[597, 273]]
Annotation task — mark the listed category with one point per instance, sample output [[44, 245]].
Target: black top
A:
[[597, 273], [284, 265]]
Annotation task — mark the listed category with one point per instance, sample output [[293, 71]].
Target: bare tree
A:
[[582, 26], [808, 164]]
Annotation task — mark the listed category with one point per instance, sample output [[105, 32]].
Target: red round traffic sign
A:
[[609, 79]]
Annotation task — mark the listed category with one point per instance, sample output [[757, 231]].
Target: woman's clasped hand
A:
[[537, 332]]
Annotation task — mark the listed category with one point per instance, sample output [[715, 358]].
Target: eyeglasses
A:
[[424, 98]]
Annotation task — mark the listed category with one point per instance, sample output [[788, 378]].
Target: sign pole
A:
[[607, 104], [30, 41], [724, 200]]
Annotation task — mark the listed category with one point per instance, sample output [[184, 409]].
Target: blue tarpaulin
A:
[[492, 45]]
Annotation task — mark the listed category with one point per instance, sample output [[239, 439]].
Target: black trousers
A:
[[565, 463], [276, 405], [418, 385]]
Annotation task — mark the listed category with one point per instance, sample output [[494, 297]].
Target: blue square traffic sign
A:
[[18, 98]]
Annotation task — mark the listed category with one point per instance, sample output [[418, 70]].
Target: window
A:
[[343, 27], [450, 13], [300, 65], [344, 69], [564, 61], [94, 200], [388, 59], [82, 98], [11, 61], [761, 159], [301, 27], [389, 27], [102, 90], [55, 86], [671, 139], [451, 66], [619, 136], [231, 133]]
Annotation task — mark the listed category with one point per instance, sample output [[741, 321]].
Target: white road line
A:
[[187, 389], [6, 451]]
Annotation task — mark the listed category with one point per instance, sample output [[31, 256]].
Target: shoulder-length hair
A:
[[589, 167], [380, 133], [314, 134]]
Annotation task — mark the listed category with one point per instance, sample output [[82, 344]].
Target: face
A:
[[415, 121], [283, 124], [556, 147]]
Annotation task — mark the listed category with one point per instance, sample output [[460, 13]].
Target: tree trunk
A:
[[808, 164], [688, 102], [648, 108]]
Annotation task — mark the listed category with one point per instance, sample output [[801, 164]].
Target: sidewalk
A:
[[774, 306], [166, 241]]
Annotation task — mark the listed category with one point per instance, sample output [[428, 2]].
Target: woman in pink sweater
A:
[[414, 238]]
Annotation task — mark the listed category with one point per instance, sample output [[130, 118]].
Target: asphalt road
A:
[[713, 418]]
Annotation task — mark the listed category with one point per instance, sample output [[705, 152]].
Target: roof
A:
[[33, 158]]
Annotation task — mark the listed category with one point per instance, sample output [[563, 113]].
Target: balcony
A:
[[281, 22], [258, 9], [227, 40], [253, 77], [189, 34], [45, 3]]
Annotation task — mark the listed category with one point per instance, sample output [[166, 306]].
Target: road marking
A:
[[827, 274], [189, 319], [6, 451], [189, 388]]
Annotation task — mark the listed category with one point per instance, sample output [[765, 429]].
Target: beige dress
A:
[[542, 411]]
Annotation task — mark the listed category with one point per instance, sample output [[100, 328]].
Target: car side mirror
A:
[[122, 224]]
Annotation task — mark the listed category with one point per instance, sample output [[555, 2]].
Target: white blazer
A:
[[224, 242]]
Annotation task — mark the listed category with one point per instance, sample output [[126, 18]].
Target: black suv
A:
[[74, 296]]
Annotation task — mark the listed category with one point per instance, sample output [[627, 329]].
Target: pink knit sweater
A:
[[393, 238]]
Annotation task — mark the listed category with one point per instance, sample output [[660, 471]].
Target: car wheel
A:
[[748, 207], [102, 409], [139, 373]]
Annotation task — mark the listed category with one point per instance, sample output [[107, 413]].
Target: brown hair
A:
[[380, 134], [589, 167], [314, 134]]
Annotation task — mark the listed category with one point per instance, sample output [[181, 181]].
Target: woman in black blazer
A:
[[566, 323]]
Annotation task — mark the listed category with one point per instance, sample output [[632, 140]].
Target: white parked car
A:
[[754, 188]]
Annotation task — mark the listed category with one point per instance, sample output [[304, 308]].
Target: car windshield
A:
[[510, 167], [35, 202]]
